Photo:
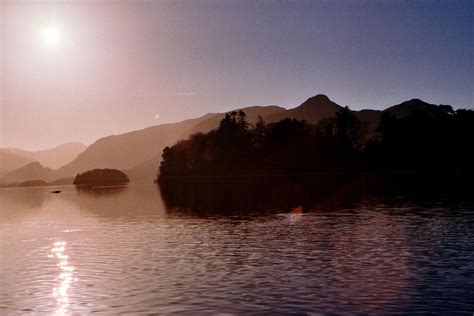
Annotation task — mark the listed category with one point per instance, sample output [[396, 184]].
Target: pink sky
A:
[[120, 65]]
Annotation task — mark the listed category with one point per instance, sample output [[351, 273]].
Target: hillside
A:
[[32, 171], [10, 161], [404, 108], [312, 110], [127, 150], [52, 158], [252, 114], [139, 152], [320, 107], [145, 172]]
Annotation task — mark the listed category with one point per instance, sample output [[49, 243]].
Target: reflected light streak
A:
[[65, 277], [295, 215]]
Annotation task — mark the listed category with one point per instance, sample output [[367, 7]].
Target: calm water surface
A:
[[127, 251]]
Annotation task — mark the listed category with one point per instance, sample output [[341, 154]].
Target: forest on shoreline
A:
[[439, 140]]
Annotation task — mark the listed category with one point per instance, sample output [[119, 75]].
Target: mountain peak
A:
[[34, 164], [31, 171], [320, 101], [414, 101], [312, 110], [405, 108], [319, 98], [53, 157]]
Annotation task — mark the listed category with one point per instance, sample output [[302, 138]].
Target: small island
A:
[[101, 177]]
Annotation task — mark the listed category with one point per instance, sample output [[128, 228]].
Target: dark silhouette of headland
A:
[[428, 139]]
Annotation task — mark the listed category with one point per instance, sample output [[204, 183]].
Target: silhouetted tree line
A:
[[441, 139]]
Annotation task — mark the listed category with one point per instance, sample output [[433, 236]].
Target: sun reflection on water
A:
[[65, 277], [295, 215]]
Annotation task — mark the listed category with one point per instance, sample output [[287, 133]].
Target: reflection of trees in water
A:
[[118, 201], [250, 194], [224, 195], [100, 191], [103, 201]]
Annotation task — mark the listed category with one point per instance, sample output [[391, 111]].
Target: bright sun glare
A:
[[51, 35]]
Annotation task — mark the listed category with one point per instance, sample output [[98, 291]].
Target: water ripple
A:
[[372, 258]]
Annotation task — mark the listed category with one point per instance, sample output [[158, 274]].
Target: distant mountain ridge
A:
[[138, 153], [127, 150], [312, 110], [13, 158], [31, 171], [10, 161], [143, 147], [406, 107], [54, 157]]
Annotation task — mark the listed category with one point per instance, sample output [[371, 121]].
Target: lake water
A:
[[143, 250]]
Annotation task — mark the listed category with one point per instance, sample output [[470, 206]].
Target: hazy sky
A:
[[77, 71]]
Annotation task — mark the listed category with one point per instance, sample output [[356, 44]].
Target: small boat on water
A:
[[56, 191]]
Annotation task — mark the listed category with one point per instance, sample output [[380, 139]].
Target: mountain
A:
[[146, 171], [252, 113], [128, 150], [139, 150], [312, 110], [321, 107], [372, 117], [404, 108], [32, 171], [52, 158], [10, 161], [400, 110], [138, 153]]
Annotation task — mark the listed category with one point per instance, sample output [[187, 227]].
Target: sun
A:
[[51, 35]]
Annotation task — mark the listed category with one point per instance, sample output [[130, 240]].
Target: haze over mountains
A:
[[32, 171], [138, 153], [13, 158], [10, 161], [54, 157]]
